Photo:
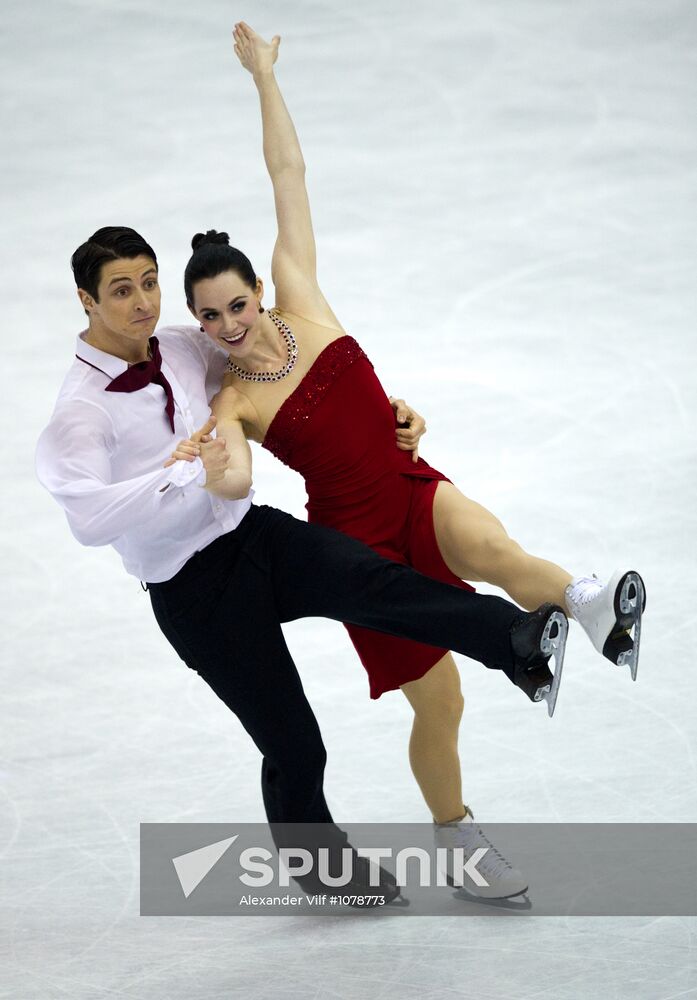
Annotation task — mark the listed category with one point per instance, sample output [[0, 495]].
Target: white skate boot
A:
[[502, 879], [608, 612]]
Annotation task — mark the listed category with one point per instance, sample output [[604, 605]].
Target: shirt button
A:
[[218, 508]]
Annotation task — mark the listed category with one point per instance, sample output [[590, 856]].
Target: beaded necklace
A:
[[287, 335]]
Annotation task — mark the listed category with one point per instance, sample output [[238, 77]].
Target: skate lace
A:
[[584, 590], [471, 836]]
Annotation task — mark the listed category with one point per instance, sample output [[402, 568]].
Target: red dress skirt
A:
[[337, 429]]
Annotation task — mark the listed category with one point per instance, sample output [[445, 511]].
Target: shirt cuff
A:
[[186, 473]]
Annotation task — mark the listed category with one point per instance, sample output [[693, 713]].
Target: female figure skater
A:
[[298, 384]]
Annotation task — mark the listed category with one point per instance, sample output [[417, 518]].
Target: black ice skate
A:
[[535, 639], [359, 890]]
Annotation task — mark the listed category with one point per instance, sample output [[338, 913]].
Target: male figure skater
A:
[[224, 573]]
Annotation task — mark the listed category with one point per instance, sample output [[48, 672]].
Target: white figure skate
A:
[[608, 613], [504, 881]]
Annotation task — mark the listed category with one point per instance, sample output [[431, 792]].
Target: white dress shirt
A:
[[102, 457]]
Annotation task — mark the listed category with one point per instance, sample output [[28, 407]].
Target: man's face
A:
[[129, 300]]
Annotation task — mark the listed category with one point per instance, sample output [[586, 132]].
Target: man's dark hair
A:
[[107, 244]]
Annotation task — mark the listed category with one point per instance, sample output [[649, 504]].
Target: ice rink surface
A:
[[504, 203]]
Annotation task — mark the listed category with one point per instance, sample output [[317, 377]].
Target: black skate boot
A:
[[536, 638], [360, 886], [358, 891]]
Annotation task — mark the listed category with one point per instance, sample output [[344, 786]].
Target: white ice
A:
[[504, 203]]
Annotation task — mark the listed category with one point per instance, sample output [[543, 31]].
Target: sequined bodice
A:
[[297, 409], [337, 429]]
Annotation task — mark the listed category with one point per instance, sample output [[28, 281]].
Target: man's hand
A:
[[190, 448], [410, 427]]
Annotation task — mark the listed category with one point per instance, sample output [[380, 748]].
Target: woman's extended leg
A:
[[433, 753], [475, 546]]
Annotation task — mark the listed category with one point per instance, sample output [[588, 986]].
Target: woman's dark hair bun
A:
[[212, 236], [216, 257]]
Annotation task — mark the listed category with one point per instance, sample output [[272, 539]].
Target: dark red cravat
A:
[[143, 373]]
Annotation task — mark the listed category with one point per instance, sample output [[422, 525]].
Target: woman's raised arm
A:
[[294, 262]]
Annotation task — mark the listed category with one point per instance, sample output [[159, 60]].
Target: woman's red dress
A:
[[337, 429]]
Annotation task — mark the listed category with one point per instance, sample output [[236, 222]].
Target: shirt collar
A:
[[108, 364]]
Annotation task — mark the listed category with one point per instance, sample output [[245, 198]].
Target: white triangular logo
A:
[[194, 866]]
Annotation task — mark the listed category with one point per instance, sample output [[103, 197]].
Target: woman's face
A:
[[228, 310]]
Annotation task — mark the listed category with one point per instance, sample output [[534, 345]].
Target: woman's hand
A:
[[190, 449], [411, 427], [253, 52]]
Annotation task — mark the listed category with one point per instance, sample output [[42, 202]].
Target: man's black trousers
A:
[[222, 612]]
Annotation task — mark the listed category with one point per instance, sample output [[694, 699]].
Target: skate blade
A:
[[521, 901], [399, 902], [553, 645], [630, 601]]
